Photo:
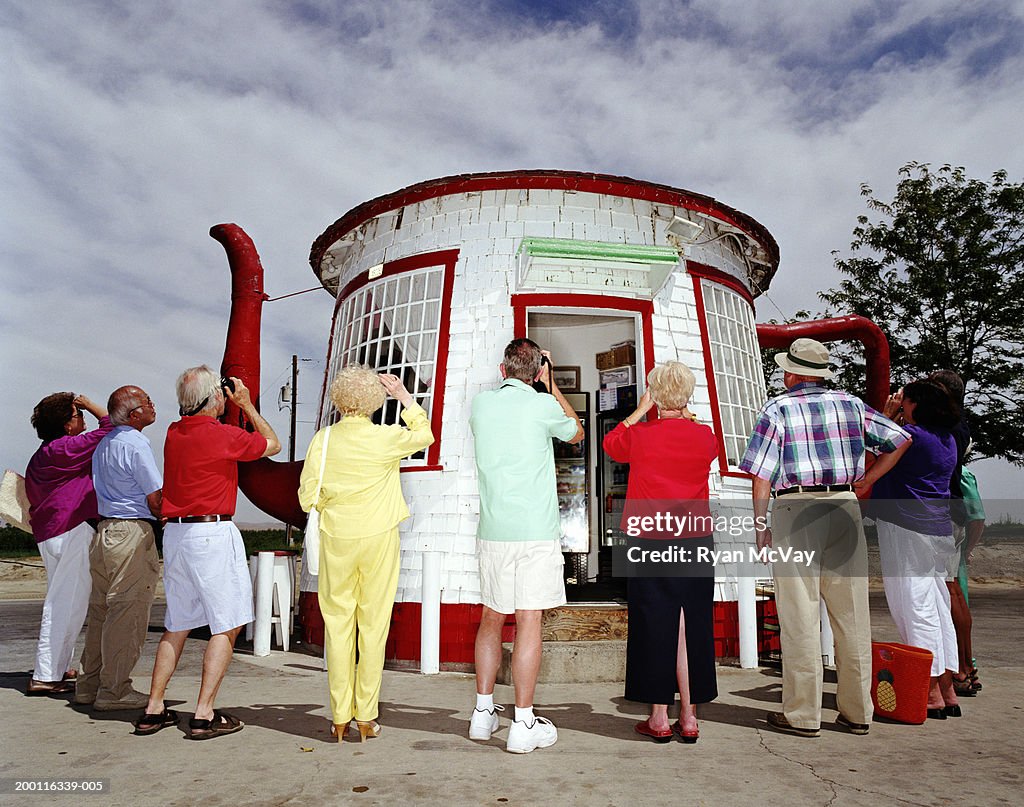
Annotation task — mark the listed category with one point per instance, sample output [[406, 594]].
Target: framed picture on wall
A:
[[567, 378]]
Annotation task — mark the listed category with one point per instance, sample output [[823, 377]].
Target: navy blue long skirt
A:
[[654, 604]]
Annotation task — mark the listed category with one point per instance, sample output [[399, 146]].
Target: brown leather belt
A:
[[197, 519], [812, 489], [152, 521]]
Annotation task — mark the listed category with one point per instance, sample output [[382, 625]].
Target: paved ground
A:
[[284, 755]]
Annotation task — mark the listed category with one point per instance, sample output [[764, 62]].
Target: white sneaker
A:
[[484, 723], [523, 738]]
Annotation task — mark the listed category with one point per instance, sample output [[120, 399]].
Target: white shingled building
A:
[[612, 275]]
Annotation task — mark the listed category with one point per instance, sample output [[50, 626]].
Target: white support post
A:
[[263, 605], [828, 651], [430, 615], [747, 607]]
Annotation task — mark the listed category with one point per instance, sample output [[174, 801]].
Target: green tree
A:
[[941, 271]]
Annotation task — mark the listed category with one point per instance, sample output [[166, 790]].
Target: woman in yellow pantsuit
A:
[[361, 506]]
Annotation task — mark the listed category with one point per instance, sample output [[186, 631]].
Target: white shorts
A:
[[206, 577], [521, 575]]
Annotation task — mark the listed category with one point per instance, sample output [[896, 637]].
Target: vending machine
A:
[[612, 480], [572, 478]]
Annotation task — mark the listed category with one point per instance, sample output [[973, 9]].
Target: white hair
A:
[[198, 387], [123, 401]]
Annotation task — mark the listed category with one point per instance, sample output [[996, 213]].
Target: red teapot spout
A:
[[835, 329], [271, 486]]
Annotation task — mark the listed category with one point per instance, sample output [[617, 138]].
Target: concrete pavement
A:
[[286, 757]]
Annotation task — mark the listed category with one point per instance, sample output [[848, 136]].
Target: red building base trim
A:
[[459, 624]]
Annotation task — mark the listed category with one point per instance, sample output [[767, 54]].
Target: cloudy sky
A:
[[129, 128]]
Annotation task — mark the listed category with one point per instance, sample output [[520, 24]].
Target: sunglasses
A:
[[78, 413]]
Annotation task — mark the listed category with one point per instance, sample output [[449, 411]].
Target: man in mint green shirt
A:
[[520, 551]]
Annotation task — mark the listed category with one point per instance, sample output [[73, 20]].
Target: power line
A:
[[293, 294], [770, 300]]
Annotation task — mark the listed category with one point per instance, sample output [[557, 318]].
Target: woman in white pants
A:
[[58, 482], [915, 534]]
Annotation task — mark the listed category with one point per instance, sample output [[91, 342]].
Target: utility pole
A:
[[295, 393], [291, 432]]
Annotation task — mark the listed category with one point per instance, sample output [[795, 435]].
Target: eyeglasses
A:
[[149, 402], [78, 413]]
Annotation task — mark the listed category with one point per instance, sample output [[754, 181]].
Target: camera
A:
[[227, 384], [539, 385]]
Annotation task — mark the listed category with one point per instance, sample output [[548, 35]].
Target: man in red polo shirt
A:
[[206, 577]]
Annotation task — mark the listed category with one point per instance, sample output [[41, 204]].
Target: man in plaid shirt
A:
[[807, 450]]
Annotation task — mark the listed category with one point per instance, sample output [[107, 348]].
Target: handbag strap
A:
[[323, 462]]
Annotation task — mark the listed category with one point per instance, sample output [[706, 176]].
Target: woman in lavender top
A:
[[915, 533], [59, 486]]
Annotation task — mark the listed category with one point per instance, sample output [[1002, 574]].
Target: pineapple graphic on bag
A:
[[885, 692]]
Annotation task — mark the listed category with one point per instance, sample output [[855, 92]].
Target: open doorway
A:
[[595, 358]]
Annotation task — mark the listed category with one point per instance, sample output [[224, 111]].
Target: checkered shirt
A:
[[811, 435]]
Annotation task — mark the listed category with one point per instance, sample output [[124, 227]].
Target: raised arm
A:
[[549, 381], [241, 397], [418, 434], [83, 402]]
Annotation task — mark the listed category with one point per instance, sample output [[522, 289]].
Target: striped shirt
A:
[[811, 435]]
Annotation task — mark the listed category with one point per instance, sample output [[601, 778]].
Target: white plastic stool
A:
[[273, 579], [828, 646]]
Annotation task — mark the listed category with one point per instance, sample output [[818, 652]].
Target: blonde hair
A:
[[671, 385], [356, 390]]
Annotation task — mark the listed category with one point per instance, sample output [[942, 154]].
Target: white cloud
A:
[[129, 129]]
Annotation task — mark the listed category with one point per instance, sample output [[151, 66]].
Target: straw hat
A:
[[805, 357]]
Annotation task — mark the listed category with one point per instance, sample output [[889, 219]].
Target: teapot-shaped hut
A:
[[610, 274]]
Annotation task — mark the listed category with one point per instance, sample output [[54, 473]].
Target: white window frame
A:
[[736, 363], [393, 324]]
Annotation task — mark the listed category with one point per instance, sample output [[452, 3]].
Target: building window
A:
[[736, 364], [394, 325]]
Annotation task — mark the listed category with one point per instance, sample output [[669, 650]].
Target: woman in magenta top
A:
[[669, 460], [58, 482]]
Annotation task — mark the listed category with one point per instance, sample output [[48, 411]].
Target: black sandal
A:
[[222, 723], [962, 686], [151, 724]]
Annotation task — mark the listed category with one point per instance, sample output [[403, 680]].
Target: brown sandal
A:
[[49, 687], [339, 731], [151, 724], [222, 723], [963, 687], [368, 729]]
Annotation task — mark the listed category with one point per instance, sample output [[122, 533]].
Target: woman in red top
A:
[[667, 509]]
